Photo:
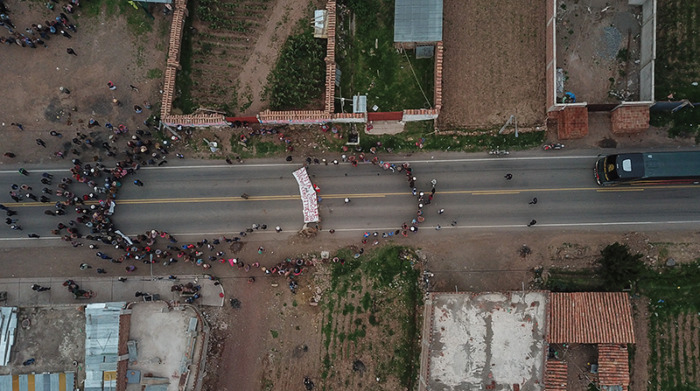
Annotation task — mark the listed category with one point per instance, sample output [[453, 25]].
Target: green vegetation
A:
[[566, 280], [421, 136], [183, 100], [618, 268], [370, 64], [257, 146], [678, 65], [298, 78], [138, 20], [274, 333], [154, 73], [674, 307], [92, 8], [382, 322], [230, 16]]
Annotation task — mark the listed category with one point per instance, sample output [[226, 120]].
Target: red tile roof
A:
[[613, 365], [555, 375], [590, 317]]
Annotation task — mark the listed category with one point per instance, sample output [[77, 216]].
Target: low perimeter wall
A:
[[281, 117]]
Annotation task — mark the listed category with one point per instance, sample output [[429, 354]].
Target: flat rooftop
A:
[[480, 341]]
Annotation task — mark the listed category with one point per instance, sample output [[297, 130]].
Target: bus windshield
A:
[[610, 170]]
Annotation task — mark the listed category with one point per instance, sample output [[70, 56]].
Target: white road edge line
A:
[[255, 165], [431, 227]]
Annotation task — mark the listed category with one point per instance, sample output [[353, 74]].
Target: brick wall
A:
[[419, 114], [330, 58], [351, 117], [572, 122], [173, 61], [195, 120], [550, 54], [294, 117], [277, 117], [171, 67], [439, 49], [628, 118]]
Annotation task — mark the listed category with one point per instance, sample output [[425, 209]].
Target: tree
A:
[[618, 267]]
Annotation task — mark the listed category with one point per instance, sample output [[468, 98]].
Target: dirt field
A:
[[233, 56], [494, 63], [597, 46], [256, 358], [106, 51], [37, 329]]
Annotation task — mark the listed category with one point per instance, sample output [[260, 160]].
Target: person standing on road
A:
[[39, 288], [533, 202], [138, 183], [531, 223]]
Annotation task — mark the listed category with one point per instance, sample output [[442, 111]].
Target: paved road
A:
[[205, 198]]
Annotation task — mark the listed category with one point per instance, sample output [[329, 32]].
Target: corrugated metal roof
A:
[[359, 103], [8, 327], [555, 375], [613, 365], [418, 21], [101, 342], [38, 382], [590, 317]]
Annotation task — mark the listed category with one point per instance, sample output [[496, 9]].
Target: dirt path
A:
[[234, 53], [253, 77]]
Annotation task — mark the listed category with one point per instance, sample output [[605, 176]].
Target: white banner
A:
[[308, 196]]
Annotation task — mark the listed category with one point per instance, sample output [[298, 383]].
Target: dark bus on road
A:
[[648, 168]]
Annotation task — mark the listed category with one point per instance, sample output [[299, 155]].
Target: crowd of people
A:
[[38, 33]]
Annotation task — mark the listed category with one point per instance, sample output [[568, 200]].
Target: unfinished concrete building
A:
[[600, 59]]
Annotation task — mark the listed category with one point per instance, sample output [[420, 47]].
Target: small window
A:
[[627, 165]]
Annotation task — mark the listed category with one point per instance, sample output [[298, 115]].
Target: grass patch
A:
[[673, 291], [391, 271], [371, 65], [91, 9], [138, 20], [257, 146], [183, 100], [566, 280], [421, 136], [274, 333], [154, 73], [298, 78], [678, 65]]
